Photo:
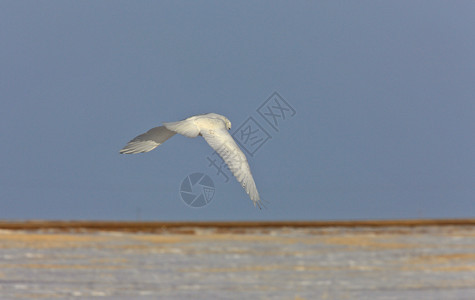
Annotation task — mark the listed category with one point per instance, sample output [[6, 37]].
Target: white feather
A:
[[147, 141], [214, 129], [223, 143], [186, 127]]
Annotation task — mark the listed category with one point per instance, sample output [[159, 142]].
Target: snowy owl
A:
[[214, 129]]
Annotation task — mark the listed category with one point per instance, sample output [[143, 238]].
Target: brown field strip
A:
[[130, 226]]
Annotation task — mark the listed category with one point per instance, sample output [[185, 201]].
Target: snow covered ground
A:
[[314, 263]]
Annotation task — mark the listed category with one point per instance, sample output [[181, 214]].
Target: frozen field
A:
[[435, 262]]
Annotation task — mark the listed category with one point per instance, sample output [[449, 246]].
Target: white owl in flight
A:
[[214, 129]]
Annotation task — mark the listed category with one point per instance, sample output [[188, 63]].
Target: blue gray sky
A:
[[383, 93]]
